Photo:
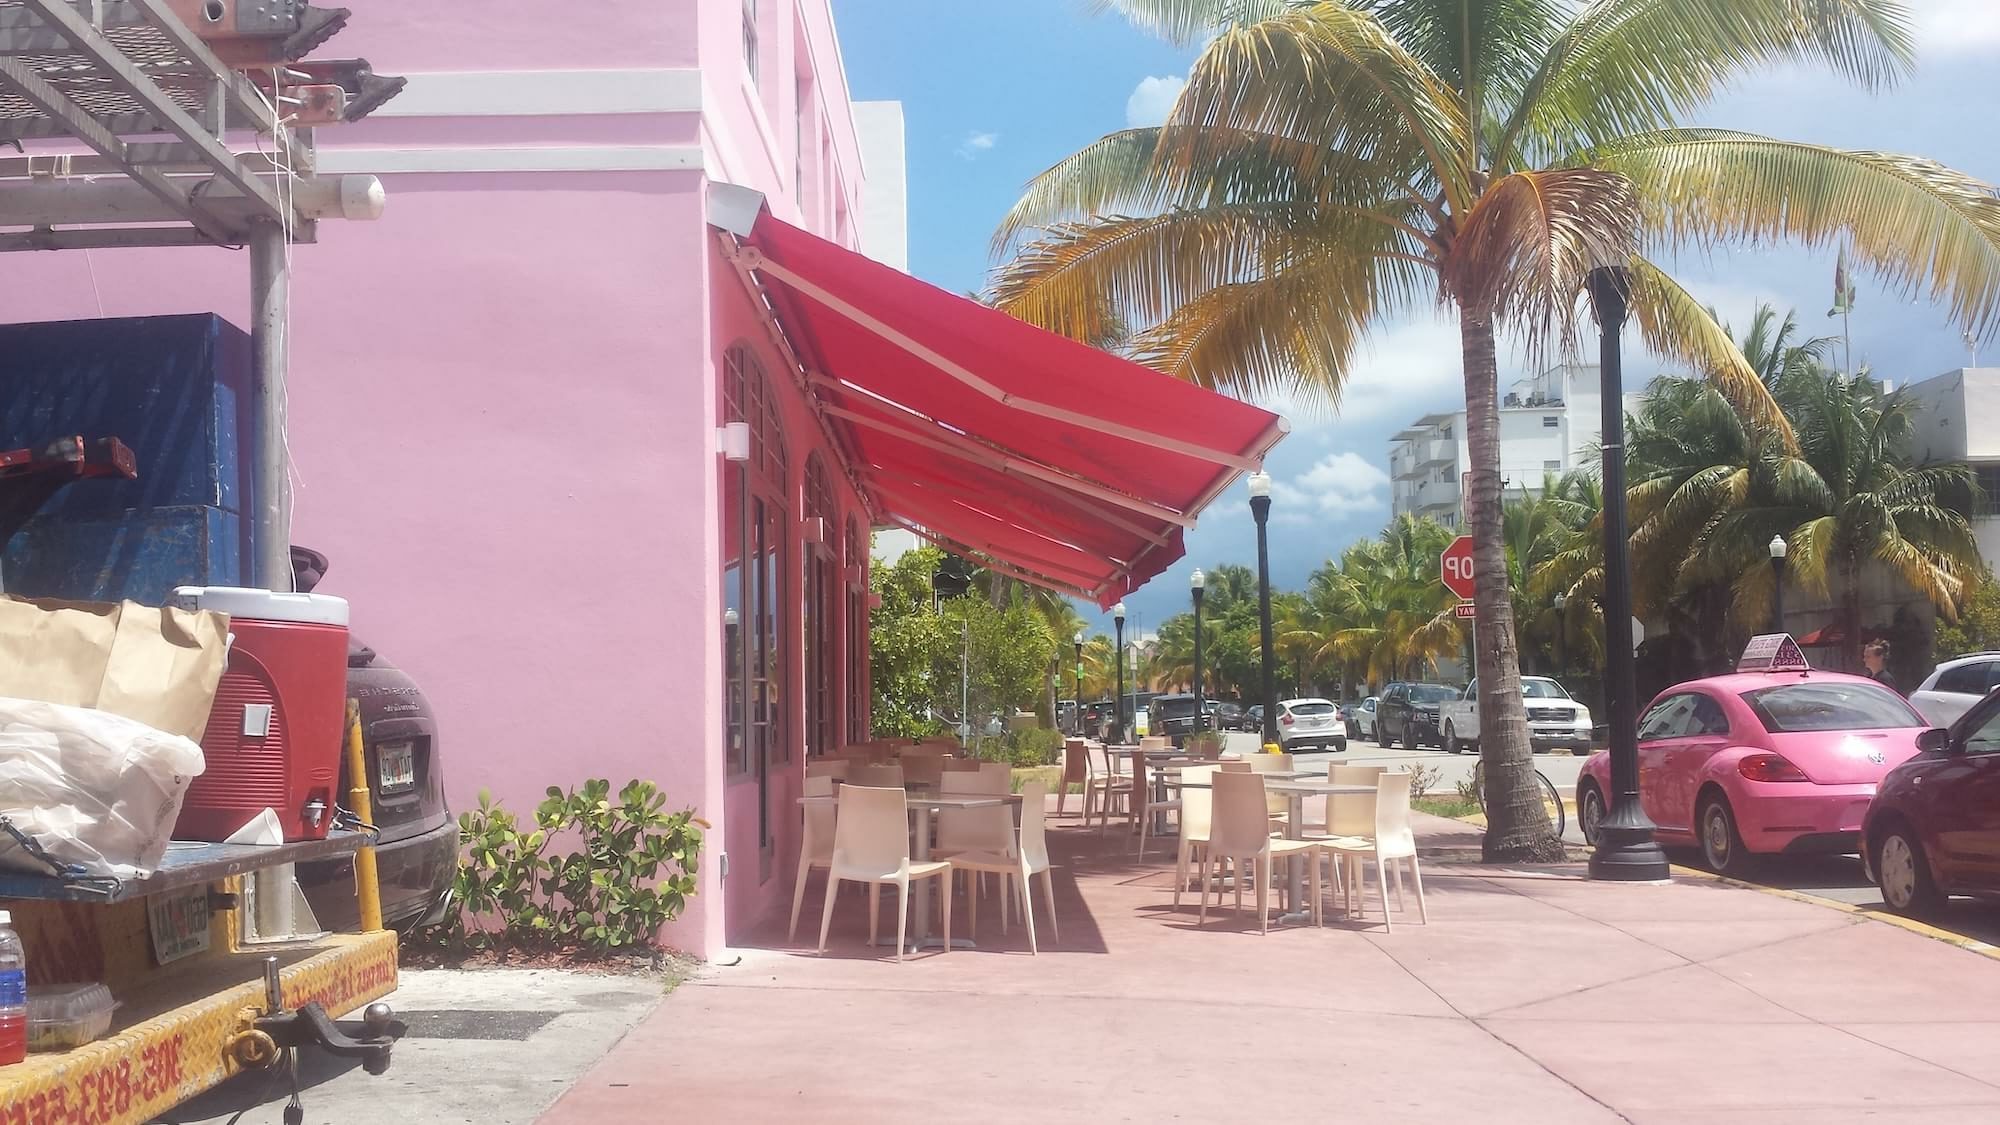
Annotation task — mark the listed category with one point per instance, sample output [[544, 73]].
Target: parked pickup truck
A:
[[1555, 721]]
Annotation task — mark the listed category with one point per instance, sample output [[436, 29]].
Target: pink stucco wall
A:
[[504, 397]]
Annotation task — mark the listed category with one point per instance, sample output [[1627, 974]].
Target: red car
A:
[[1934, 829], [1774, 761]]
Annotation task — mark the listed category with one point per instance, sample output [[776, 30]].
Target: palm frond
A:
[[1190, 21], [1921, 227], [1627, 66], [1525, 249], [1674, 325], [1333, 74], [1111, 174]]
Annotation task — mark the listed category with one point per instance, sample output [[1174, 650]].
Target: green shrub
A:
[[1205, 740], [1035, 746], [632, 870]]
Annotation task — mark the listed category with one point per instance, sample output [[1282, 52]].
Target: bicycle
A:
[[1551, 797]]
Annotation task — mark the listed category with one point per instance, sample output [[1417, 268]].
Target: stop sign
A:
[[1455, 567]]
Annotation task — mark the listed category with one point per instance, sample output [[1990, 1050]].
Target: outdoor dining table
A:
[[921, 803]]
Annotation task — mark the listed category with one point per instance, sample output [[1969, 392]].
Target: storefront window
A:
[[754, 534], [857, 632], [822, 646]]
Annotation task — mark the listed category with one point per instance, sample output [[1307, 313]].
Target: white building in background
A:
[[1549, 423], [1954, 419]]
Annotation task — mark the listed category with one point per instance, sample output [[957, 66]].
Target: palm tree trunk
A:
[[1517, 828], [1850, 604]]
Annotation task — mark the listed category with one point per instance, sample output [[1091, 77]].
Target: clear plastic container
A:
[[62, 1016]]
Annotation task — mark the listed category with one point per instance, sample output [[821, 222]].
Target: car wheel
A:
[[1451, 743], [1904, 874], [1589, 810], [1721, 844], [1409, 736]]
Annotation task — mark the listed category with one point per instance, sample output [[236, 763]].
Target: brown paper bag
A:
[[157, 665]]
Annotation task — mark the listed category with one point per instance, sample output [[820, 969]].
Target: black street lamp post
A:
[[1118, 658], [1777, 583], [1260, 507], [1626, 850], [1195, 583], [1079, 682]]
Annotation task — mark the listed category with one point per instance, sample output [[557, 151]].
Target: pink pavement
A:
[[1530, 996]]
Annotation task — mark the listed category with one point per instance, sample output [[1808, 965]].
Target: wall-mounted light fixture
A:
[[734, 438]]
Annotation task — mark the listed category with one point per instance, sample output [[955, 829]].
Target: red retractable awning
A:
[[1069, 466]]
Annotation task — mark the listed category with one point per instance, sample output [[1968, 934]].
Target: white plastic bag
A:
[[92, 788]]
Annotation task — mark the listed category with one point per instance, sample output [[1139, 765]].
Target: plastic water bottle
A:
[[13, 994]]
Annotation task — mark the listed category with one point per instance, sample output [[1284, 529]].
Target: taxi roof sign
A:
[[1773, 652]]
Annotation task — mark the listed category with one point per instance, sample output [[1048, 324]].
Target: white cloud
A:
[[1337, 485], [1403, 370], [1957, 26], [1151, 99], [975, 143]]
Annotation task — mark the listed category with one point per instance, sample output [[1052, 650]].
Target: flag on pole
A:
[[1843, 287]]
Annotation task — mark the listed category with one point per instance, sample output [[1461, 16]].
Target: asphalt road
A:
[[1833, 877]]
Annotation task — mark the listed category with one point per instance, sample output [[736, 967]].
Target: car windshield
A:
[[1432, 693], [1543, 689], [1312, 708], [1830, 706]]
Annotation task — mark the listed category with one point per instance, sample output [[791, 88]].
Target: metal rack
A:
[[185, 123]]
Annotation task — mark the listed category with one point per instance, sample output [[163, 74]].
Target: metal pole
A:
[[1626, 851], [1200, 714], [965, 682], [1260, 507], [270, 296], [1118, 658], [1777, 593]]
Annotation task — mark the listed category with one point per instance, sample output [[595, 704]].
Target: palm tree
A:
[[1331, 163], [1539, 526], [1852, 496], [1769, 348]]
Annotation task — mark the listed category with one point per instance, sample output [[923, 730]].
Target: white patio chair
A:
[[1240, 834], [1393, 842], [871, 844], [1030, 858]]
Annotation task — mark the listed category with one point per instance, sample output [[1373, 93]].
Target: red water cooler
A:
[[274, 738]]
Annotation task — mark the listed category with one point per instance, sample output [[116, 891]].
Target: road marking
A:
[[1949, 937]]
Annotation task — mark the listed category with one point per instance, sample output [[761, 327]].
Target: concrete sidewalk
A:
[[1531, 996]]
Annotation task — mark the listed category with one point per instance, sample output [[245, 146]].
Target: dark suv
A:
[[1408, 713], [1173, 716]]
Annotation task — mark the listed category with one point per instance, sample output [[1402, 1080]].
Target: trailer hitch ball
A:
[[377, 1018]]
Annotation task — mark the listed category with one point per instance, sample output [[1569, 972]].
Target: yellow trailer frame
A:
[[186, 1025]]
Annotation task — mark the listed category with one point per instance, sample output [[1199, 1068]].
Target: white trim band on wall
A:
[[547, 93], [548, 158]]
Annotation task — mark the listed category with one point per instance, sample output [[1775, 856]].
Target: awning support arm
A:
[[755, 259], [1011, 571], [884, 480], [957, 497], [964, 448]]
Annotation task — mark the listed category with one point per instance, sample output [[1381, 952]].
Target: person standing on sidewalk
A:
[[1875, 657]]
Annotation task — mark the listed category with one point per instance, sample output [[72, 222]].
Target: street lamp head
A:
[[1561, 600], [1197, 580], [729, 617], [1118, 613], [1260, 485], [1778, 546], [1079, 636]]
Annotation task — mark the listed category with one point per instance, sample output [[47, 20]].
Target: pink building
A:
[[510, 396]]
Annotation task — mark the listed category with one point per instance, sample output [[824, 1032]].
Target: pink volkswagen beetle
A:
[[1780, 759]]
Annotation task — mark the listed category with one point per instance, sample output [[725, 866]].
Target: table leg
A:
[[1296, 899]]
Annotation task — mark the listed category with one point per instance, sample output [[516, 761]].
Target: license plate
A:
[[396, 766], [179, 922]]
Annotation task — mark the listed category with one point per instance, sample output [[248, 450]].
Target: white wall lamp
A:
[[735, 440]]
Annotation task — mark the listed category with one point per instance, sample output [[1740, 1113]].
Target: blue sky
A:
[[994, 93]]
